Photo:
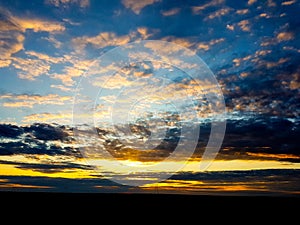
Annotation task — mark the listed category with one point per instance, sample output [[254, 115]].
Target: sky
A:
[[59, 68]]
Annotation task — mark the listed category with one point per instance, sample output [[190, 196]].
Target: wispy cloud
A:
[[170, 12], [17, 101], [218, 13], [137, 6], [59, 118], [67, 3], [198, 9]]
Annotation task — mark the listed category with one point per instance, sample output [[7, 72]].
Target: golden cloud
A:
[[61, 87], [69, 72], [250, 2], [37, 25], [11, 42], [102, 40], [137, 6], [16, 101], [61, 118], [218, 13], [30, 69], [244, 25], [197, 9], [285, 36], [242, 11], [5, 62], [288, 2]]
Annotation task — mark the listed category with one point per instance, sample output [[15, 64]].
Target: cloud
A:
[[288, 2], [116, 81], [196, 10], [105, 39], [45, 57], [36, 139], [242, 11], [38, 25], [58, 118], [30, 69], [218, 13], [61, 87], [170, 12], [137, 6], [207, 45], [12, 37], [11, 43], [68, 3], [250, 2], [102, 40], [244, 25], [17, 101], [79, 67], [285, 36], [5, 62]]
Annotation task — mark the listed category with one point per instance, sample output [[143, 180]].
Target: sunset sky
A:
[[50, 49]]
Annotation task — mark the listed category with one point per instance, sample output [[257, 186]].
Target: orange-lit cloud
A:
[[30, 69], [218, 13], [244, 25], [66, 3], [288, 2], [62, 118], [198, 9], [230, 27], [69, 72], [61, 87], [170, 12], [285, 36], [242, 11], [16, 101], [5, 62], [250, 2], [137, 6], [207, 45], [38, 25], [180, 41], [13, 43], [102, 40]]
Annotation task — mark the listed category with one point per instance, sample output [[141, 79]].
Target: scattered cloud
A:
[[230, 27], [67, 3], [218, 13], [137, 6], [207, 45], [78, 68], [250, 2], [242, 11], [285, 36], [244, 25], [288, 2], [61, 87], [38, 25], [58, 118], [196, 10], [170, 12], [102, 40], [55, 42], [17, 101]]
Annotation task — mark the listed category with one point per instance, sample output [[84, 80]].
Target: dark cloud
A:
[[36, 139], [252, 136], [10, 131]]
